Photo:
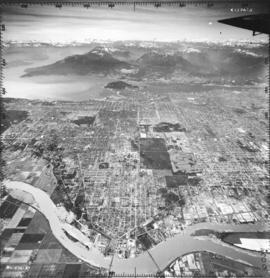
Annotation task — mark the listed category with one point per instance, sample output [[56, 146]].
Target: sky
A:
[[78, 24]]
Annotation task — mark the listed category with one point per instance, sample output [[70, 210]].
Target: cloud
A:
[[246, 52], [49, 24]]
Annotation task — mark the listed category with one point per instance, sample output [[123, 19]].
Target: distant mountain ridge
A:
[[216, 62], [159, 60], [98, 60], [145, 44]]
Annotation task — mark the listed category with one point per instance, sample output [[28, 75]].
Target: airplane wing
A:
[[257, 23]]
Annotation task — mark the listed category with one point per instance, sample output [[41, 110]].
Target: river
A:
[[160, 256]]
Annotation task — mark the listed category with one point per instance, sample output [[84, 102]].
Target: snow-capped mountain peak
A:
[[101, 51]]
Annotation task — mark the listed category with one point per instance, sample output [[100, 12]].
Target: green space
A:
[[153, 153], [12, 117], [9, 207], [234, 238]]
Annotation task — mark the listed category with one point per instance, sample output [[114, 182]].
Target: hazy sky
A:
[[49, 24]]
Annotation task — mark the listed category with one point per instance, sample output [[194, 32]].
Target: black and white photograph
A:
[[135, 139]]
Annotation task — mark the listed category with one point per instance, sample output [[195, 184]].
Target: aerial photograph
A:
[[134, 141]]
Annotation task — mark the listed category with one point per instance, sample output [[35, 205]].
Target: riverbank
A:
[[157, 259]]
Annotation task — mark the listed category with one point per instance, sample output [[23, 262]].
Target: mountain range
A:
[[96, 61], [212, 63]]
